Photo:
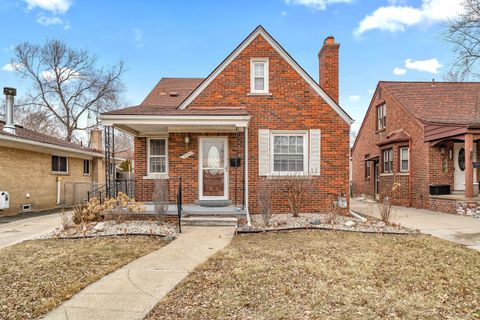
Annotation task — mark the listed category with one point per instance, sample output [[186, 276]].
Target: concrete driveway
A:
[[17, 229], [459, 229]]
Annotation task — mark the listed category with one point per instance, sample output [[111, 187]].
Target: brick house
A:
[[423, 136], [258, 106], [41, 172]]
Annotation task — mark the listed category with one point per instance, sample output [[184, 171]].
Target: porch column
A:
[[245, 166], [469, 165]]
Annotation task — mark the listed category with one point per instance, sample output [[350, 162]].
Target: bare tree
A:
[[464, 35], [37, 119], [67, 83]]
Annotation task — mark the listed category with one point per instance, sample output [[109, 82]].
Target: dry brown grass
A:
[[36, 276], [330, 275]]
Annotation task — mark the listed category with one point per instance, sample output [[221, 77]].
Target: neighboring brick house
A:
[[41, 172], [258, 97], [423, 136]]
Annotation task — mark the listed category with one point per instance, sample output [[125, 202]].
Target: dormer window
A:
[[259, 75]]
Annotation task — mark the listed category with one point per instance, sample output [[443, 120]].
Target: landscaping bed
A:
[[36, 276], [330, 275], [111, 228], [323, 221]]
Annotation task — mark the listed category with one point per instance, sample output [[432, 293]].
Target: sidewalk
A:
[[459, 229], [132, 291], [18, 228]]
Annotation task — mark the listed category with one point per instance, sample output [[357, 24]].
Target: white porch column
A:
[[245, 166]]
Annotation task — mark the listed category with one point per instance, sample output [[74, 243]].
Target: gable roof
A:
[[22, 133], [438, 102], [262, 32], [170, 92]]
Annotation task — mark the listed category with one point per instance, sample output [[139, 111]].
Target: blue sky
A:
[[189, 38]]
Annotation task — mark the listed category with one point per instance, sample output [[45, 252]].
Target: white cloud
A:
[[283, 13], [55, 6], [10, 67], [430, 65], [316, 4], [354, 98], [399, 71], [138, 37], [66, 73], [49, 21], [397, 17]]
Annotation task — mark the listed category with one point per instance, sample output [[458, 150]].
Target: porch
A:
[[206, 149]]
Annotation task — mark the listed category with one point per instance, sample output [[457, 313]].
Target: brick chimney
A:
[[328, 67], [96, 139]]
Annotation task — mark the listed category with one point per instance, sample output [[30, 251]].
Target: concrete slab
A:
[[132, 291], [459, 229], [21, 229]]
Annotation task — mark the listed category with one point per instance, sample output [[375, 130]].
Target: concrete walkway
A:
[[17, 229], [451, 227], [132, 291]]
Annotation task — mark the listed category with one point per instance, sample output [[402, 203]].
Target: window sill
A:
[[286, 176], [386, 174], [259, 94], [56, 173], [403, 173], [154, 176], [381, 130]]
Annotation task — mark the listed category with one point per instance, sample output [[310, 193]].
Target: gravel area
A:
[[347, 223], [110, 228]]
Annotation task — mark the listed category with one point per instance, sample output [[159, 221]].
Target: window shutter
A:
[[315, 152], [263, 152]]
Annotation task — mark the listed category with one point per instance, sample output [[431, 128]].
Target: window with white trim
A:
[[387, 161], [157, 156], [259, 76], [59, 164], [382, 117], [289, 153], [403, 156], [86, 167]]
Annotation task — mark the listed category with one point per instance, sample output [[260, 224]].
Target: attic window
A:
[[173, 94], [259, 75]]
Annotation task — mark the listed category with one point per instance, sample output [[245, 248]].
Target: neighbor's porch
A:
[[206, 153]]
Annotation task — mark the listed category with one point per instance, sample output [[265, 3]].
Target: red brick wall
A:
[[292, 105], [366, 144]]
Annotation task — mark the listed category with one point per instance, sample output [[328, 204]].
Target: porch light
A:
[[187, 140]]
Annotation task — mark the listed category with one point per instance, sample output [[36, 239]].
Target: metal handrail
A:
[[179, 204]]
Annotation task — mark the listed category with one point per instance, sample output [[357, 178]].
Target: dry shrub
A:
[[66, 219], [264, 199], [297, 188], [334, 211], [386, 206], [160, 199], [95, 211]]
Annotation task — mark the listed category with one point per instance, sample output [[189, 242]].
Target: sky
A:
[[400, 40]]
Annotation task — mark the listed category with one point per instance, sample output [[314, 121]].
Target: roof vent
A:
[[433, 82], [173, 94], [9, 93], [163, 93]]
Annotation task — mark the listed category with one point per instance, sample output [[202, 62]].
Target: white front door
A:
[[213, 168], [459, 166]]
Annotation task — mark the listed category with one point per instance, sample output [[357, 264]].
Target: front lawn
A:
[[36, 276], [330, 275]]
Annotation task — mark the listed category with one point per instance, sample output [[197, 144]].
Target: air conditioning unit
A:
[[4, 200]]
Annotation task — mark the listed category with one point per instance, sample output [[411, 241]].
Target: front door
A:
[[459, 166], [213, 168]]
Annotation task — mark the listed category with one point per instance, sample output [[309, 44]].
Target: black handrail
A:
[[179, 204]]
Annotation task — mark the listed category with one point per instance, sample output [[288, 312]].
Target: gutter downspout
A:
[[410, 175], [249, 222]]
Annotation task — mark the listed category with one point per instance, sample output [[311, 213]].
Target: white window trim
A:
[[306, 164], [390, 156], [154, 175], [252, 76], [401, 159], [60, 172], [89, 167]]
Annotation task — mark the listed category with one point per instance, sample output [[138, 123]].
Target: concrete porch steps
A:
[[209, 221]]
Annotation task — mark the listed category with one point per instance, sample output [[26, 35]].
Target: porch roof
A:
[[151, 120]]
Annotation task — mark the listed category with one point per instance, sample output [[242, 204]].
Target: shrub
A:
[[333, 213], [264, 199], [66, 219], [160, 198], [386, 204], [297, 189]]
